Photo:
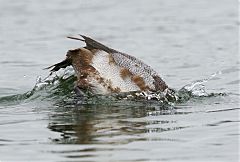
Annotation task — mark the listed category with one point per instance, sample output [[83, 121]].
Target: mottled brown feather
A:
[[116, 90], [81, 56], [139, 81], [124, 73], [111, 60], [107, 84]]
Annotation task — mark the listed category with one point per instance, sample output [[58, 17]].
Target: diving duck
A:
[[103, 70]]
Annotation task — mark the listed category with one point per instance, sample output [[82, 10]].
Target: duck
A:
[[100, 69]]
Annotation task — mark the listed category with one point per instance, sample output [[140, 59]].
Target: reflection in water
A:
[[97, 124], [181, 47]]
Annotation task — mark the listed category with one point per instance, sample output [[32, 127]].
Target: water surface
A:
[[183, 40]]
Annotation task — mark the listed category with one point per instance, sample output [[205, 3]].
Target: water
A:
[[190, 43]]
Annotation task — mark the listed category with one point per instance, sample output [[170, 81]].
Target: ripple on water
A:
[[48, 123]]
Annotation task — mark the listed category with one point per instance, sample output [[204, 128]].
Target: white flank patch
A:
[[111, 72]]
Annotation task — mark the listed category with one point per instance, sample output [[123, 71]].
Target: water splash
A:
[[197, 89], [58, 87], [54, 87]]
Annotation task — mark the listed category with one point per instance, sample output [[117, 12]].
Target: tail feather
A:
[[59, 65], [93, 44], [90, 44]]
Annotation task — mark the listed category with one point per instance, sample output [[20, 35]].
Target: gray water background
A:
[[183, 40]]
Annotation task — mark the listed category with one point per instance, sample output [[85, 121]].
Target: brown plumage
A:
[[83, 54], [111, 59], [101, 69], [139, 81], [125, 73]]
